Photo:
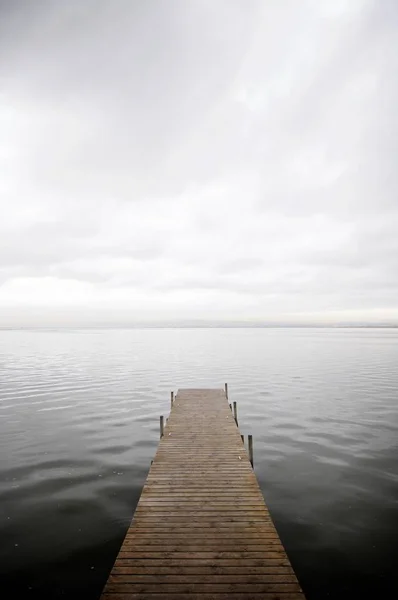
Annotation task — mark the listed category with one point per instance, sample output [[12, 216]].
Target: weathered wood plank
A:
[[204, 540], [207, 535], [246, 562], [201, 528], [205, 574], [207, 528], [193, 587], [204, 596], [215, 555], [271, 579]]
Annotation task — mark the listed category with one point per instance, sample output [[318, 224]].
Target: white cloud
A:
[[217, 160]]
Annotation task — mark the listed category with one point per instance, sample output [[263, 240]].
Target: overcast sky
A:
[[198, 159]]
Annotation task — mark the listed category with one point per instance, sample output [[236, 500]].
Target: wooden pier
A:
[[201, 528]]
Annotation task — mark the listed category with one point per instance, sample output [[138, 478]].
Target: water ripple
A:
[[79, 417]]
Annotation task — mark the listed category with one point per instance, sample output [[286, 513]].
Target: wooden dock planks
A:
[[201, 528]]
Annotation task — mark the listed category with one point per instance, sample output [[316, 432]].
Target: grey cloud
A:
[[195, 155], [155, 65]]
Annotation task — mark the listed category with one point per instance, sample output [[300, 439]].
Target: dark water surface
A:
[[79, 425]]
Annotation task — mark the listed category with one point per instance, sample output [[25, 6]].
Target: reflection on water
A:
[[79, 414]]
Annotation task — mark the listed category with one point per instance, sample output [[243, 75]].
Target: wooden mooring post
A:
[[250, 444], [161, 426], [236, 413]]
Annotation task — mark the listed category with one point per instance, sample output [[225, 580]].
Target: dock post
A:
[[172, 399], [230, 406], [161, 426], [243, 439], [250, 440], [236, 412], [226, 390]]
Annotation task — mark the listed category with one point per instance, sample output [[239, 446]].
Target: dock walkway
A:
[[201, 528]]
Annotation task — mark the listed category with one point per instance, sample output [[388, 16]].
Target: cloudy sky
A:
[[198, 159]]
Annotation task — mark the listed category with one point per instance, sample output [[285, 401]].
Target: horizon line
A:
[[204, 325]]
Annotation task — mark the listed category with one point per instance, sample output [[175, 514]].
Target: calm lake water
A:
[[79, 425]]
